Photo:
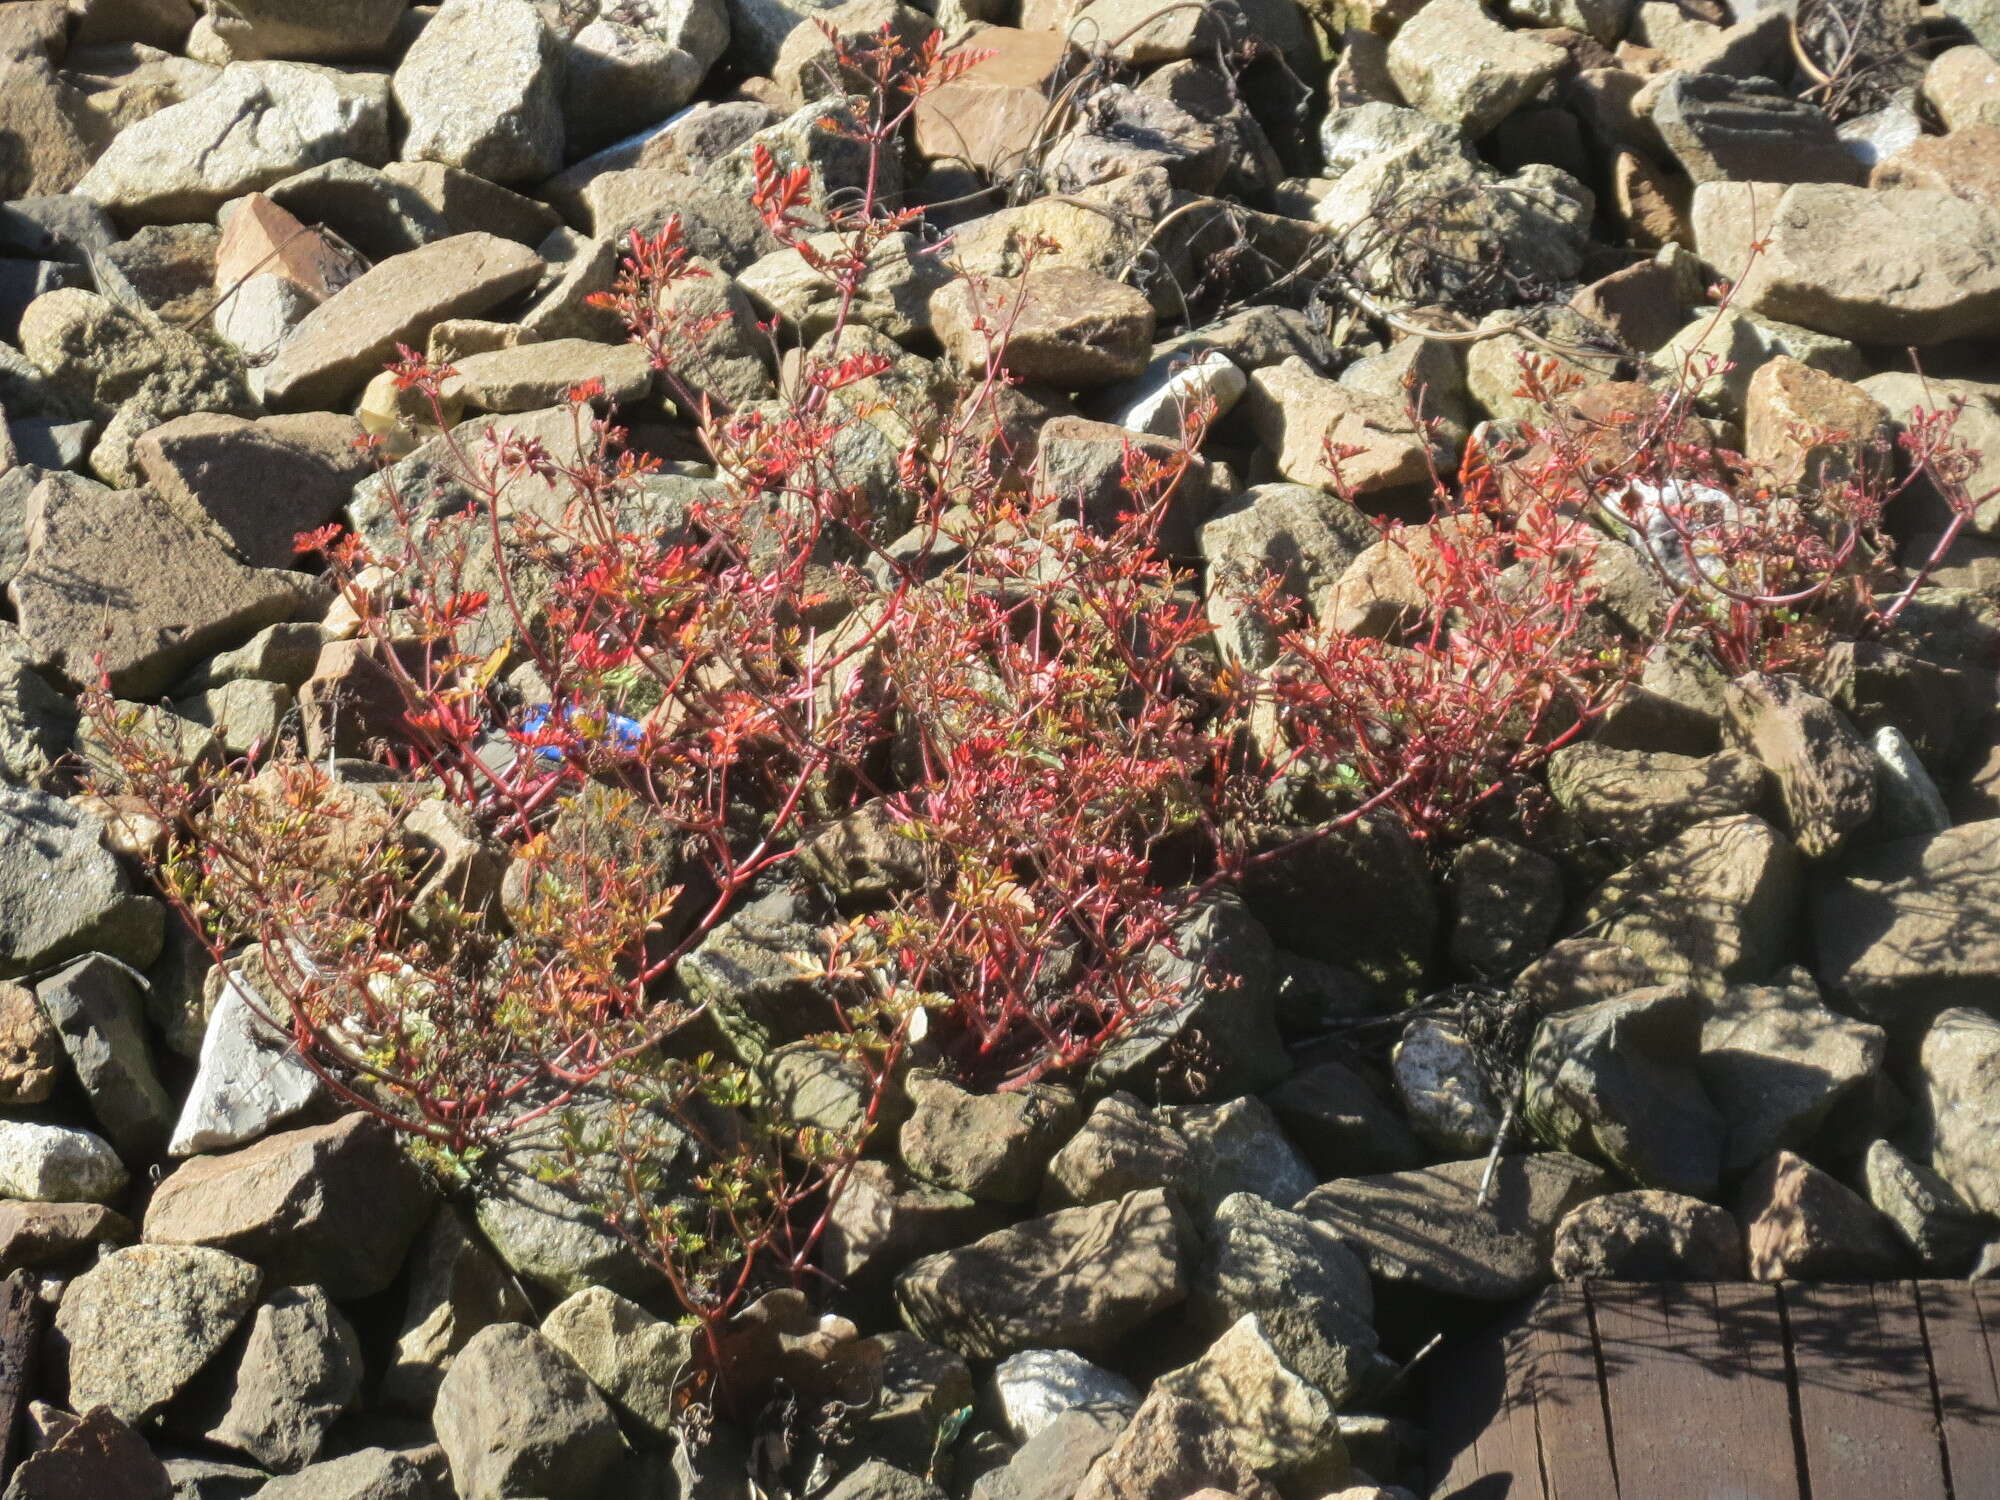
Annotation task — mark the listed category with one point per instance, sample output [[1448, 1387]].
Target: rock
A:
[[893, 298], [1220, 961], [1638, 799], [876, 1480], [1081, 1278], [1786, 398], [137, 1327], [1778, 1064], [1943, 1230], [466, 203], [619, 78], [1506, 901], [1066, 327], [369, 1474], [1802, 1225], [1129, 131], [482, 90], [1282, 1424], [261, 483], [348, 31], [1903, 930], [249, 1076], [95, 1007], [989, 116], [119, 576], [56, 1163], [1648, 1236], [1171, 1449], [1037, 1386], [342, 342], [1714, 905], [38, 1236], [96, 1454], [334, 1205], [1345, 1128], [1824, 773], [1052, 1464], [291, 1373], [1959, 1073], [515, 1416], [1748, 130], [372, 211], [1297, 413], [51, 137], [1843, 260], [634, 1358], [1237, 1147], [1601, 20], [1425, 1229], [30, 1051], [1445, 1092], [1907, 801], [457, 1286], [185, 162], [1121, 1148], [1309, 1293], [1962, 85], [992, 1147], [1458, 65], [1617, 1081], [530, 377], [1295, 533]]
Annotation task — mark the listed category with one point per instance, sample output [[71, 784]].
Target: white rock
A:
[[1443, 1088], [1038, 1385], [55, 1164], [482, 89], [249, 1078], [256, 124], [261, 313], [1212, 375]]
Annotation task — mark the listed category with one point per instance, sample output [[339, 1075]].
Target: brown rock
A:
[[1809, 427], [346, 339], [30, 1052], [261, 239], [1641, 304], [1803, 1225], [1963, 86], [37, 1235], [33, 30], [1171, 1449], [122, 575], [1299, 414], [1965, 163], [350, 699], [1648, 1236], [333, 1205], [1825, 774], [991, 115], [94, 1458], [259, 483], [1070, 328], [47, 139]]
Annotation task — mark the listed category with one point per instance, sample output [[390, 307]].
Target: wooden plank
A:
[[1869, 1424], [1695, 1380], [1575, 1448], [1961, 1325], [22, 1314], [1482, 1420]]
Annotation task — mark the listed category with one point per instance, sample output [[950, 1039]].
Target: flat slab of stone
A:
[[347, 339]]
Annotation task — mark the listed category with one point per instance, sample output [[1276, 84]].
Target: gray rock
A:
[[517, 1417], [1345, 1127], [62, 893], [57, 1164], [1648, 1236], [1461, 67], [96, 1009], [1943, 1229], [334, 1205], [371, 1474], [293, 1371], [137, 1327], [1905, 929], [457, 1286], [374, 212], [876, 1480], [1616, 1081], [1282, 1424], [1222, 964], [93, 1455], [1724, 129], [345, 30], [1778, 1063], [1715, 905], [1309, 1292], [883, 1221], [1426, 1229], [1052, 1464], [1446, 1094], [481, 89], [754, 973], [1506, 903], [1173, 1448], [1037, 1386], [1907, 802], [1121, 1148], [183, 163], [1638, 799], [1296, 533], [249, 1077], [1238, 1147], [1081, 1278], [1959, 1071], [636, 1359], [993, 1147], [1825, 775]]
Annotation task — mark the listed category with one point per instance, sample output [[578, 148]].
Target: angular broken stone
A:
[[1749, 130], [481, 88], [1803, 1225], [57, 1163], [637, 1360], [990, 1146], [349, 337], [249, 1076], [96, 1009], [1824, 773], [457, 1286], [1944, 1231], [1460, 66], [291, 1373], [35, 1236], [1067, 327], [62, 893], [1297, 413], [516, 1416], [1648, 1236]]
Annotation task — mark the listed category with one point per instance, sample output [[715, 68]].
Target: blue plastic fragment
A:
[[625, 733]]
